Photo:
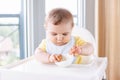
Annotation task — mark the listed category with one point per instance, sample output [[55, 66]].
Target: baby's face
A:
[[59, 34]]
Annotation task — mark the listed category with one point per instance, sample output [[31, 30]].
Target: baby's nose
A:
[[59, 37]]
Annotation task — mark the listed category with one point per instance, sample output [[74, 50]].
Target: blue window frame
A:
[[12, 32]]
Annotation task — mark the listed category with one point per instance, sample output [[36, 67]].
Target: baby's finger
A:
[[51, 58], [73, 51], [60, 57], [76, 54], [57, 58]]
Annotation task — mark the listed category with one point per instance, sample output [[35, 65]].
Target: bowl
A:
[[67, 60]]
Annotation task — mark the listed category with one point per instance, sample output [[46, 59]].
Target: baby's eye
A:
[[54, 34], [64, 34]]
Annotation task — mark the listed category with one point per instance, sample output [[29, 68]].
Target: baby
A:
[[58, 25]]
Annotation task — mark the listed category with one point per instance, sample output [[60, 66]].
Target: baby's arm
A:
[[44, 57], [41, 55], [86, 49]]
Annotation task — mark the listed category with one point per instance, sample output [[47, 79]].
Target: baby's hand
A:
[[75, 50], [55, 58]]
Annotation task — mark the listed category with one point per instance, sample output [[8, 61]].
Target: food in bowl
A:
[[67, 60]]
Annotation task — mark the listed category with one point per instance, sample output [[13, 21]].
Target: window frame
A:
[[20, 29]]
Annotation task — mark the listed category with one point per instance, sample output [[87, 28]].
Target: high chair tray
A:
[[30, 69]]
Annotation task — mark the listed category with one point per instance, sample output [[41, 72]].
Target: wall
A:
[[90, 16]]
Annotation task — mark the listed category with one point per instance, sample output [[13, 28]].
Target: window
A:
[[11, 31]]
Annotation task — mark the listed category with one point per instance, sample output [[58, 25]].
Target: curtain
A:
[[109, 35]]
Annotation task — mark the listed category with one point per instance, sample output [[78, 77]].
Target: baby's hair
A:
[[58, 16]]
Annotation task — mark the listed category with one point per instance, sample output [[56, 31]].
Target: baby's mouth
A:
[[60, 43]]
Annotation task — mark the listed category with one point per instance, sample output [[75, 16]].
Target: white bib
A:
[[53, 49]]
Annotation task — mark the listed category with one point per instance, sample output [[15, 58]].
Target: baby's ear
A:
[[72, 24]]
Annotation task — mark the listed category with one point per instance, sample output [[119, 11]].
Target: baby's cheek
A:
[[67, 38], [53, 40]]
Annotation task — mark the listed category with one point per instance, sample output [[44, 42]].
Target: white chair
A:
[[85, 35]]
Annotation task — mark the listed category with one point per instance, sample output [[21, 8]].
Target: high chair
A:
[[30, 69]]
